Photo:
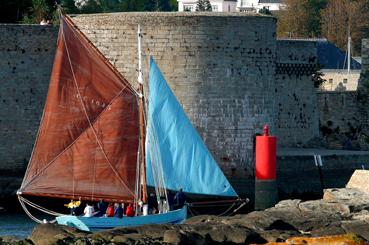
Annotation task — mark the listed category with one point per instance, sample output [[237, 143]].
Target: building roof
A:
[[331, 57]]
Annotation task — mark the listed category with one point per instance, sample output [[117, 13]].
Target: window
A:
[[188, 8], [214, 8], [345, 80], [330, 80], [229, 8]]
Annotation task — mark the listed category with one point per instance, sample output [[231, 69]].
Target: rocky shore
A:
[[340, 217]]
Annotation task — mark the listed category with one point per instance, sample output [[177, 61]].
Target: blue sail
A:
[[171, 139]]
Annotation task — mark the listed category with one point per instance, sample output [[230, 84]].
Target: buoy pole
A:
[[266, 192]]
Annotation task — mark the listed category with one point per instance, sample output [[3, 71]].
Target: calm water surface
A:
[[17, 225]]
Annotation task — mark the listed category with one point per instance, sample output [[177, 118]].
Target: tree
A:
[[346, 17], [265, 11], [110, 5], [69, 6], [40, 9], [173, 5], [203, 5], [157, 5], [300, 18], [89, 6]]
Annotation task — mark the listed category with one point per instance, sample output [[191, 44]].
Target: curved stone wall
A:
[[220, 66], [26, 58]]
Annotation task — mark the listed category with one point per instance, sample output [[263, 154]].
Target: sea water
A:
[[17, 225]]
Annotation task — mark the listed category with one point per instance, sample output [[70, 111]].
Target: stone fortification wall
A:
[[297, 116], [26, 57], [339, 117], [221, 67], [344, 115], [365, 55]]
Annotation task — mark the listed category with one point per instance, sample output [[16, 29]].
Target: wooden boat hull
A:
[[101, 223]]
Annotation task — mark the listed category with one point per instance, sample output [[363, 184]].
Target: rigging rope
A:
[[38, 207], [22, 202], [191, 207]]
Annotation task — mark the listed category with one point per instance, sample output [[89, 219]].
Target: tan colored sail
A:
[[89, 134]]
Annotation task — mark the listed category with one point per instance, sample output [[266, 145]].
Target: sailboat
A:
[[95, 141]]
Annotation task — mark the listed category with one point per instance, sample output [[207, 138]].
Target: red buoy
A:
[[266, 152]]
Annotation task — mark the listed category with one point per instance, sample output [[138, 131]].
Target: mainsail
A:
[[89, 134], [174, 150]]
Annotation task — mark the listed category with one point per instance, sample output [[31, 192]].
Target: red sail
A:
[[89, 134]]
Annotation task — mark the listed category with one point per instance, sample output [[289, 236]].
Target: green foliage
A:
[[32, 11], [40, 9], [157, 5], [69, 7], [317, 76], [173, 5], [203, 5], [301, 18], [91, 6], [314, 7], [265, 11]]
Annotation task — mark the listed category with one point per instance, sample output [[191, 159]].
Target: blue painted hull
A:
[[101, 223]]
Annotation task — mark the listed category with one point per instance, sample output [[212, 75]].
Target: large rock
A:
[[46, 234], [359, 180], [356, 200], [357, 227]]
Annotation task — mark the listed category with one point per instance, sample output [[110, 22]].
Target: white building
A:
[[256, 5], [340, 80], [233, 5], [216, 5]]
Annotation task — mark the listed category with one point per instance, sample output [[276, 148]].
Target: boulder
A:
[[357, 227], [355, 199], [359, 180], [174, 237], [45, 234]]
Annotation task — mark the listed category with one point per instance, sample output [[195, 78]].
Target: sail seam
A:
[[71, 144]]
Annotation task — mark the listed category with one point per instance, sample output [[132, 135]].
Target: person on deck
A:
[[73, 205], [118, 210], [130, 212], [170, 200], [89, 210], [179, 199], [152, 203], [101, 208], [110, 210]]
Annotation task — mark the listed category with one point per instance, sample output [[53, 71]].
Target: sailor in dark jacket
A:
[[118, 210], [179, 199]]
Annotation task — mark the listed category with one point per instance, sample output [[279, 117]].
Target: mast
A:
[[143, 189], [349, 55]]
